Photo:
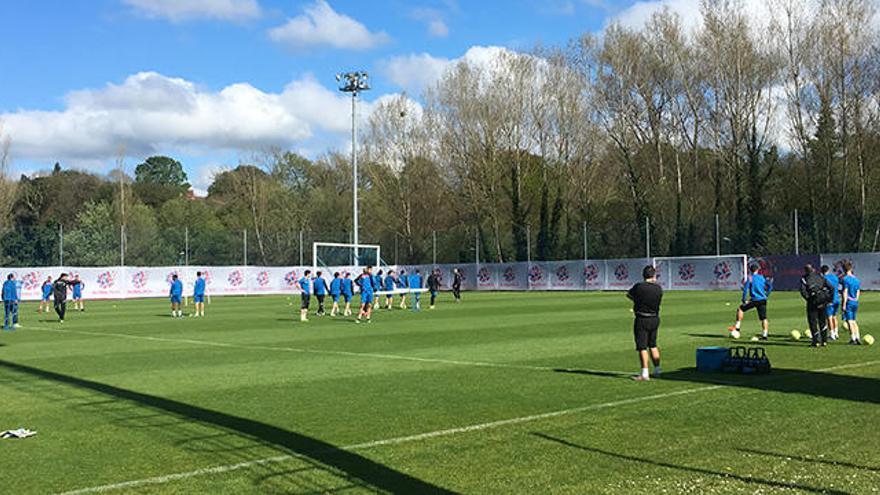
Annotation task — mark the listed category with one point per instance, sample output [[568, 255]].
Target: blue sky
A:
[[211, 81]]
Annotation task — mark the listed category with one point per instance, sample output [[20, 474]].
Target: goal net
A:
[[329, 254]]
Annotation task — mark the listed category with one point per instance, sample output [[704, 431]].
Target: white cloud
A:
[[638, 14], [434, 19], [180, 10], [320, 25], [415, 72], [204, 177], [150, 112]]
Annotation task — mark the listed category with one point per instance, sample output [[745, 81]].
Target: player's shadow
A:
[[815, 383], [608, 374], [826, 462], [322, 455], [750, 480], [772, 342]]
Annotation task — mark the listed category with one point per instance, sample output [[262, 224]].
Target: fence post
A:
[[186, 246], [797, 243], [61, 245], [244, 254], [300, 247], [434, 246], [717, 236], [647, 238], [586, 252]]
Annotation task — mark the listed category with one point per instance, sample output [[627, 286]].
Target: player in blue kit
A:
[[335, 293], [402, 283], [320, 289], [834, 307], [305, 294], [45, 300], [78, 287], [11, 299], [852, 290], [347, 293], [199, 295], [176, 294], [756, 291], [389, 286], [415, 282], [365, 281], [377, 286]]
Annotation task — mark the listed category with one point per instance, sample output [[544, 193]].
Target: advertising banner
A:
[[624, 273], [866, 266], [701, 273]]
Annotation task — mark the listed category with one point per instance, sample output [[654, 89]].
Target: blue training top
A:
[[347, 287], [756, 288], [402, 280], [199, 287], [177, 288], [320, 286], [336, 286], [47, 290], [389, 283], [834, 282], [852, 286], [415, 281], [10, 291], [366, 283], [305, 285]]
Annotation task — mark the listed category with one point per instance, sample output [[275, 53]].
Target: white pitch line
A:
[[158, 480], [303, 350]]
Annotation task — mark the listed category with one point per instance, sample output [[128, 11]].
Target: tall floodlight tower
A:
[[354, 83]]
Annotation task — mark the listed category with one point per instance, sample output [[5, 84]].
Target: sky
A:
[[212, 82]]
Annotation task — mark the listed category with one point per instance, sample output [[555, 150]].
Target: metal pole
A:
[[354, 167], [396, 253], [797, 247], [529, 243], [60, 245], [477, 246], [717, 236], [244, 254], [300, 247], [122, 245], [434, 245], [586, 252], [647, 237], [186, 246]]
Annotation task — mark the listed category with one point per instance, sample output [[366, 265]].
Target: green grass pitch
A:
[[468, 398]]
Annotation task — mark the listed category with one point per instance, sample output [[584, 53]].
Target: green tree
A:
[[159, 179]]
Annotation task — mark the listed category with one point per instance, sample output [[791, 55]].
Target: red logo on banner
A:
[[484, 275], [562, 274], [509, 274], [591, 273], [621, 272], [686, 271], [235, 278], [106, 280], [139, 279], [536, 274], [263, 278]]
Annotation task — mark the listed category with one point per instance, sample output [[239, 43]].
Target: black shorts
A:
[[761, 306], [306, 299], [645, 331]]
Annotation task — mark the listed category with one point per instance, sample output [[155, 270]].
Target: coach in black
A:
[[646, 297]]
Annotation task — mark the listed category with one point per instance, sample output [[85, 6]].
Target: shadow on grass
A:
[[349, 465], [609, 374], [689, 469], [815, 383], [826, 462], [782, 341]]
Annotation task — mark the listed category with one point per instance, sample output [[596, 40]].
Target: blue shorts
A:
[[46, 298], [849, 313], [77, 294], [335, 297], [176, 299], [199, 298], [366, 298], [346, 298], [832, 309]]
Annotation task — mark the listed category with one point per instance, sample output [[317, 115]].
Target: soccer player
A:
[[834, 307], [377, 286], [59, 294], [305, 295], [389, 288], [456, 284], [347, 293], [415, 283], [47, 294], [756, 290], [176, 294], [335, 292], [199, 295], [367, 295], [852, 289], [320, 289], [402, 281], [11, 299], [818, 292], [646, 297], [78, 287], [433, 286]]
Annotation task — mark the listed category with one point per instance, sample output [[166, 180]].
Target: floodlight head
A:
[[353, 82]]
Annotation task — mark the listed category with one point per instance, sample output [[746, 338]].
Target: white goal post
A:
[[331, 254]]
